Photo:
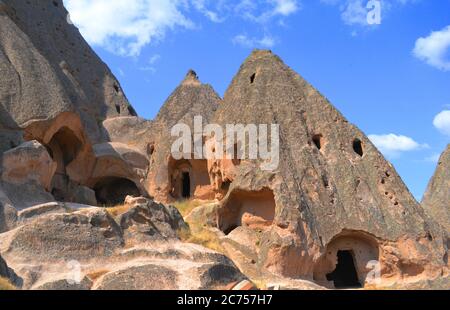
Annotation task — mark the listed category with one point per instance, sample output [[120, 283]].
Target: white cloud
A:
[[393, 145], [285, 7], [150, 66], [263, 11], [442, 122], [125, 27], [251, 42], [201, 6], [433, 49], [154, 59]]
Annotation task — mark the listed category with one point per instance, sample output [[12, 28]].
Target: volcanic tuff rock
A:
[[56, 90], [437, 197], [57, 247], [68, 134], [8, 273], [47, 69], [190, 99], [333, 190]]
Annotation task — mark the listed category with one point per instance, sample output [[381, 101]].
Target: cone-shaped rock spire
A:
[[191, 98], [437, 197], [332, 185]]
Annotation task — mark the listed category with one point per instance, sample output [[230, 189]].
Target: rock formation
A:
[[333, 194], [334, 213], [58, 247], [437, 197], [55, 90], [167, 175]]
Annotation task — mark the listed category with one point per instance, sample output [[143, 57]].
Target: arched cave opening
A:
[[253, 209], [190, 179], [345, 274], [64, 146], [111, 191], [345, 262]]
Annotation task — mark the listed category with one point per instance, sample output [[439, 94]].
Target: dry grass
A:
[[197, 232], [119, 209], [5, 285], [203, 237], [260, 284], [97, 274], [186, 206]]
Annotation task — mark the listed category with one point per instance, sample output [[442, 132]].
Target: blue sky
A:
[[391, 79]]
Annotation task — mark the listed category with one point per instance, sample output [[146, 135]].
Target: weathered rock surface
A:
[[58, 248], [68, 134], [437, 197], [28, 162], [171, 266], [8, 213], [70, 236], [26, 195], [48, 69], [130, 130], [191, 98], [65, 285], [9, 274], [54, 89], [150, 220], [332, 189]]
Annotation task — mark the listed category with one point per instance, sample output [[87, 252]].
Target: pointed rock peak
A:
[[191, 78], [257, 53]]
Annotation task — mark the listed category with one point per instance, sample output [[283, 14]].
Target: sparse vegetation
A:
[[5, 285], [260, 284], [197, 232], [117, 210], [201, 236], [186, 206]]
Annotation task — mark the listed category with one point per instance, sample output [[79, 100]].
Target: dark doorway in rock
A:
[[186, 185], [111, 191], [357, 147], [345, 275], [317, 139]]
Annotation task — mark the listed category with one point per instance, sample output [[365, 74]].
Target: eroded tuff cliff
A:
[[56, 91], [333, 193], [191, 98], [437, 197], [48, 68], [68, 134]]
